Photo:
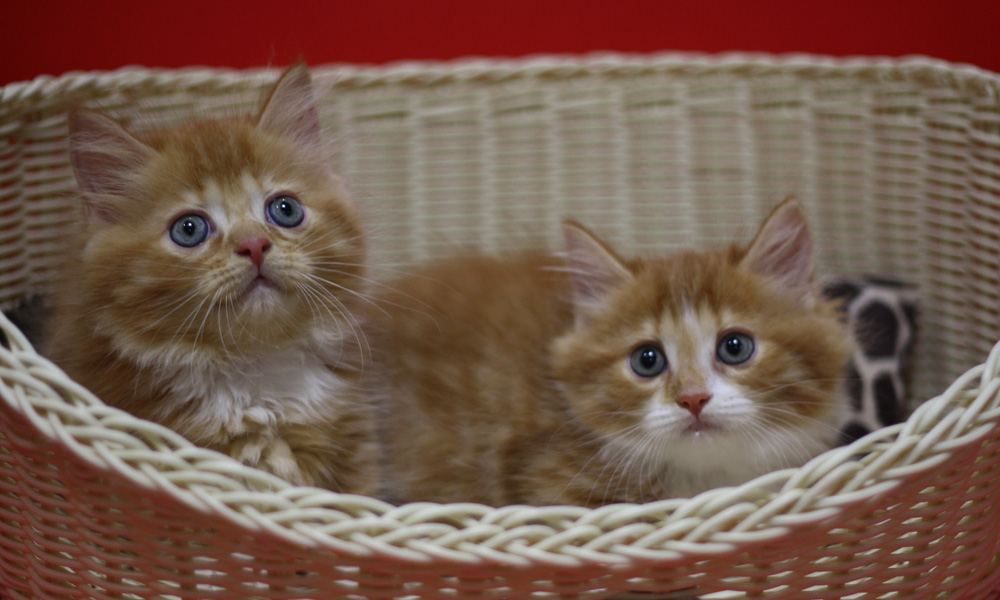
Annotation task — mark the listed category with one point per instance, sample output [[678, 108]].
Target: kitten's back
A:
[[459, 348]]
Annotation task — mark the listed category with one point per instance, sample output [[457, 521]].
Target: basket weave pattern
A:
[[897, 162]]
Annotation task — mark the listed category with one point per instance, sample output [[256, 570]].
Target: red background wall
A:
[[53, 36]]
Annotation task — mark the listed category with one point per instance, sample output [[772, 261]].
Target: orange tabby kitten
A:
[[597, 379], [215, 283]]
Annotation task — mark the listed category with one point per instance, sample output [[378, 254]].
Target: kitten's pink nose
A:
[[254, 250], [694, 401]]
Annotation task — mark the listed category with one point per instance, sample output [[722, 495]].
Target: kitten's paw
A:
[[249, 450], [253, 420], [279, 459], [273, 455]]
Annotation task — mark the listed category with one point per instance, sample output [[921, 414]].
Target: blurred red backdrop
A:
[[52, 37]]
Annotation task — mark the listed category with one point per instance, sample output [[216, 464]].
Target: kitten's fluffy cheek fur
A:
[[732, 440]]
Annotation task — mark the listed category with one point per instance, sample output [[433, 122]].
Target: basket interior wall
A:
[[899, 167]]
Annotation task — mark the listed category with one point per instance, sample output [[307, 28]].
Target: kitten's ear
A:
[[106, 160], [783, 249], [594, 267], [290, 110]]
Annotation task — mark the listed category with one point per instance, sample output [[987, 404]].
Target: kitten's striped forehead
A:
[[697, 333], [225, 168], [688, 335], [227, 153], [234, 199]]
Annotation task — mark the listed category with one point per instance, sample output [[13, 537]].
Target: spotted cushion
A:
[[881, 314]]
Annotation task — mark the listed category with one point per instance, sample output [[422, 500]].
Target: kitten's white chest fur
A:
[[247, 402]]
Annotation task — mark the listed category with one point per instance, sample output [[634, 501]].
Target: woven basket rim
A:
[[422, 73]]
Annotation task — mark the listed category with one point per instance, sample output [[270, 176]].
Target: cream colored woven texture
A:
[[898, 164]]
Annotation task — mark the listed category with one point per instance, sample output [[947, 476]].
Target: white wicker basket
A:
[[898, 163]]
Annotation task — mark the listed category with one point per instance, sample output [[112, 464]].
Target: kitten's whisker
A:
[[231, 315], [802, 382], [401, 269], [312, 249], [316, 307], [328, 241], [315, 301], [381, 285], [177, 305], [313, 283], [204, 320], [788, 441], [158, 278], [648, 463], [622, 456], [188, 322], [364, 297], [597, 454], [218, 323], [768, 411], [310, 286], [636, 464]]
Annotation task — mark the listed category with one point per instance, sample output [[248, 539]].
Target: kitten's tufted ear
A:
[[594, 268], [106, 160], [783, 249], [290, 110]]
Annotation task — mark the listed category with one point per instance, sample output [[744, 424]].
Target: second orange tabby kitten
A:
[[596, 379]]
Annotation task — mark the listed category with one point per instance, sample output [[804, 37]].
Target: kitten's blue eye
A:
[[648, 361], [285, 211], [735, 348], [189, 231]]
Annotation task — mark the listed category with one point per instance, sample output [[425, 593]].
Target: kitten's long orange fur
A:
[[246, 342], [514, 380]]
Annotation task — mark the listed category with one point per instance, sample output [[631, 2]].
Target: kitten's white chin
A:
[[260, 294], [698, 455], [697, 427]]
